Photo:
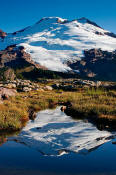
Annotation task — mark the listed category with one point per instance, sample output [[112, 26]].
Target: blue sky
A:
[[17, 14]]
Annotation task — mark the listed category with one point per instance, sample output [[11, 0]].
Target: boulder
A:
[[6, 93], [32, 114], [48, 88], [63, 108], [26, 89], [56, 86]]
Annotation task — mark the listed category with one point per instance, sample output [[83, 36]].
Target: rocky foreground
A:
[[20, 100]]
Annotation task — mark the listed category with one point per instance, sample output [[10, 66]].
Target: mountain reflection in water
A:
[[53, 133]]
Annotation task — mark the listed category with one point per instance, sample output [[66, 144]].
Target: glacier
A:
[[53, 42]]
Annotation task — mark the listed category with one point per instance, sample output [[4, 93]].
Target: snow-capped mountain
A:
[[56, 43]]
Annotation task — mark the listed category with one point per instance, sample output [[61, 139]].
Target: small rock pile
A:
[[24, 85]]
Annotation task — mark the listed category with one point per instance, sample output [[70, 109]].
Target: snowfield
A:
[[52, 42], [53, 133]]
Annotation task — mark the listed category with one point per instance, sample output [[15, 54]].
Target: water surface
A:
[[55, 144]]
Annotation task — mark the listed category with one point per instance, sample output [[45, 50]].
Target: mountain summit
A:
[[58, 44]]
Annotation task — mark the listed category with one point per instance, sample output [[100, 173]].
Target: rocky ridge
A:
[[14, 56], [95, 65]]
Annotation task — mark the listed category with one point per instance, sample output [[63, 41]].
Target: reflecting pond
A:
[[55, 144]]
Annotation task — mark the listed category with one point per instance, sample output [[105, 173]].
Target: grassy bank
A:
[[98, 106], [14, 113], [89, 103]]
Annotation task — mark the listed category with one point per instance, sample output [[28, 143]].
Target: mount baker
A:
[[79, 47]]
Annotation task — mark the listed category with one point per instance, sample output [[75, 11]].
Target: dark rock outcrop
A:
[[32, 114], [20, 31], [16, 57], [7, 74], [14, 61], [88, 21], [97, 64], [111, 34]]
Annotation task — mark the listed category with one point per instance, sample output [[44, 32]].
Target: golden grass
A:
[[14, 112]]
